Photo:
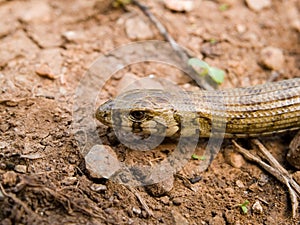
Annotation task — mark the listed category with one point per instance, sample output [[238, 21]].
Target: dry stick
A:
[[293, 196], [163, 31], [293, 186], [184, 55], [275, 172], [273, 162]]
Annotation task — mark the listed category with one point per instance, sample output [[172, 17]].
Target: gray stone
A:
[[98, 187], [102, 162], [21, 168], [257, 208], [272, 58], [138, 29], [257, 5], [36, 12], [179, 219], [180, 5]]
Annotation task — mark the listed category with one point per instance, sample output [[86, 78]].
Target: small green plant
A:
[[204, 69], [119, 3], [244, 206], [197, 157], [213, 41], [223, 7]]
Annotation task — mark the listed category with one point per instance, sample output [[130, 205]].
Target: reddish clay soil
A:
[[46, 48]]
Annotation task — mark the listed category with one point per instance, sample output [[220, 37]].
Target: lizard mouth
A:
[[103, 113]]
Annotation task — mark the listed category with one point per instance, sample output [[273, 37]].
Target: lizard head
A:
[[141, 112]]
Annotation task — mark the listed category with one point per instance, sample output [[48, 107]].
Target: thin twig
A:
[[273, 162], [293, 197], [162, 30], [284, 178], [255, 159], [182, 53]]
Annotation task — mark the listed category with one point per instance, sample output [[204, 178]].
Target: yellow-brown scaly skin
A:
[[247, 112]]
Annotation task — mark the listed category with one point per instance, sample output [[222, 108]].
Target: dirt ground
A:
[[46, 48]]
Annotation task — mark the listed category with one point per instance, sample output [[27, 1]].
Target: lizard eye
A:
[[137, 115]]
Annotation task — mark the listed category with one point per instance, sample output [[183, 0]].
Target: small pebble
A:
[[101, 162], [137, 211], [9, 178], [165, 200], [44, 70], [177, 201], [241, 28], [195, 179], [180, 5], [137, 29], [263, 179], [2, 166], [3, 144], [98, 187], [240, 184], [12, 103], [69, 181], [257, 5], [74, 36], [178, 218], [272, 58], [234, 159], [257, 208], [21, 168], [38, 12], [72, 159]]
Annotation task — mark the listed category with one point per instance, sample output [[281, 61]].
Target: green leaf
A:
[[202, 157], [118, 3], [244, 207], [194, 62], [223, 7], [203, 69], [213, 41], [216, 74], [197, 157]]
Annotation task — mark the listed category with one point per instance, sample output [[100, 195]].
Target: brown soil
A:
[[42, 170]]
